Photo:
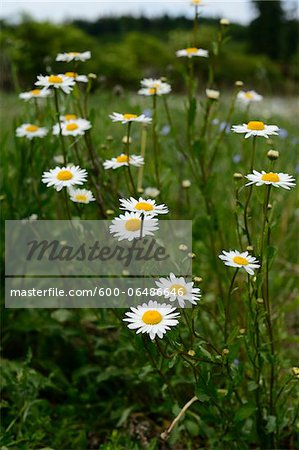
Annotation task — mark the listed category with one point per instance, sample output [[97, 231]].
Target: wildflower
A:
[[147, 207], [212, 94], [224, 22], [152, 86], [58, 159], [123, 160], [276, 179], [177, 288], [31, 131], [81, 196], [73, 56], [183, 247], [131, 225], [295, 371], [151, 192], [67, 117], [74, 76], [237, 176], [152, 318], [126, 118], [61, 177], [35, 93], [192, 51], [233, 258], [197, 280], [196, 2], [256, 128], [56, 81], [273, 155], [239, 83], [75, 127], [186, 184], [249, 97]]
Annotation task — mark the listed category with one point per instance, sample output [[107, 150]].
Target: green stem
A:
[[128, 156], [250, 193], [227, 306], [59, 124], [155, 140]]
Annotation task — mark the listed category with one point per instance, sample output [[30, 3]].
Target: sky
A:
[[57, 11]]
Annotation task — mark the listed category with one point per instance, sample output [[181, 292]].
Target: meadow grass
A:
[[79, 378]]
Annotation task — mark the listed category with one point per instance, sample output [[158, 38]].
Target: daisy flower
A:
[[151, 86], [123, 160], [81, 196], [233, 258], [31, 131], [151, 192], [73, 127], [276, 179], [73, 56], [196, 2], [35, 93], [74, 76], [61, 177], [147, 207], [192, 51], [249, 97], [177, 288], [57, 81], [128, 226], [152, 318], [67, 117], [255, 128], [126, 118]]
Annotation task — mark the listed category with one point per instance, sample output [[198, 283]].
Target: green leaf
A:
[[244, 412]]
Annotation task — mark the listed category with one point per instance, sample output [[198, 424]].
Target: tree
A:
[[267, 30]]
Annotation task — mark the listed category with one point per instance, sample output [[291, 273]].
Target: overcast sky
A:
[[235, 10]]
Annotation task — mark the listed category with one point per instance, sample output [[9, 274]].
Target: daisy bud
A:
[[295, 371], [109, 212], [191, 255], [260, 301], [191, 352], [249, 248], [269, 206], [242, 330], [197, 279], [109, 138], [222, 391], [224, 22], [92, 75], [186, 184], [140, 190], [183, 247], [125, 273], [212, 94], [125, 140], [225, 352], [103, 146], [273, 155], [237, 176], [239, 83]]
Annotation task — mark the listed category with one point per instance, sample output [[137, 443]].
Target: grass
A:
[[78, 379]]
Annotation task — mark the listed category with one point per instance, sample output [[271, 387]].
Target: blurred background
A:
[[130, 40]]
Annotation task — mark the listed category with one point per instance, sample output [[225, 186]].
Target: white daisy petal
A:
[[146, 206], [61, 177], [132, 225], [271, 178], [31, 131], [240, 260], [256, 128]]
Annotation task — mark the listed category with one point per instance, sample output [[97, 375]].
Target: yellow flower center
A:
[[122, 158], [130, 116], [71, 74], [55, 79], [271, 177], [73, 53], [81, 197], [32, 128], [64, 175], [178, 289], [152, 90], [144, 206], [191, 50], [35, 91], [255, 125], [152, 317], [70, 117], [71, 126], [133, 224], [240, 260], [248, 95]]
